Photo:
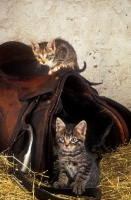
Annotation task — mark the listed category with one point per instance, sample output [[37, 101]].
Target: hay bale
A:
[[10, 186], [116, 174]]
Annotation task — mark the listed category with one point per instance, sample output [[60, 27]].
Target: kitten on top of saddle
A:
[[56, 54], [78, 168]]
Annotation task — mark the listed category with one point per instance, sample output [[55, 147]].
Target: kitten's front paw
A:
[[64, 66], [50, 72], [78, 187], [59, 185]]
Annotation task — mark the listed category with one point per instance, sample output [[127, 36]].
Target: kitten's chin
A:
[[47, 64], [68, 149], [42, 63]]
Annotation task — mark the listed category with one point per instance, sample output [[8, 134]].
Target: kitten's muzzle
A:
[[67, 144]]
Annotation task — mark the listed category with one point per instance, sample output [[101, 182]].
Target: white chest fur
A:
[[72, 168]]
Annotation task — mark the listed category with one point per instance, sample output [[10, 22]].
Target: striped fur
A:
[[78, 169], [56, 54]]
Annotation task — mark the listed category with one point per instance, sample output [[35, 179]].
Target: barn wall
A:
[[99, 30]]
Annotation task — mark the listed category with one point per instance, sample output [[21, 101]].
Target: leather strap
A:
[[46, 193], [16, 136]]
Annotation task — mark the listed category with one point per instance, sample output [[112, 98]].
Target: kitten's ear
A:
[[35, 46], [59, 125], [81, 127], [51, 45]]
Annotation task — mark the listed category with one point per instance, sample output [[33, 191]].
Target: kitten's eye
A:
[[62, 139], [49, 57], [73, 140], [39, 57]]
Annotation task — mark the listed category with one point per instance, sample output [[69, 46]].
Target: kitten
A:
[[78, 168], [56, 54]]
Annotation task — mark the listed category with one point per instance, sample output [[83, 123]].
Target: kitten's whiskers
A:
[[37, 65]]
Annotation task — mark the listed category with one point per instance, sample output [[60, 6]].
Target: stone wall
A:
[[99, 30]]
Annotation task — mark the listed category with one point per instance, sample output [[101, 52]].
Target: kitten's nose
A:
[[66, 144]]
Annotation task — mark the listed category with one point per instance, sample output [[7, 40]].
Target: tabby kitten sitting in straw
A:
[[78, 168], [56, 54]]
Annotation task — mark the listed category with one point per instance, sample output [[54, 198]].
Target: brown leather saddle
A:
[[30, 101]]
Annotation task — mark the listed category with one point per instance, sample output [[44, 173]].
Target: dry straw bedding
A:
[[115, 169]]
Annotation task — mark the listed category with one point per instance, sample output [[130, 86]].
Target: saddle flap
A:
[[33, 86]]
